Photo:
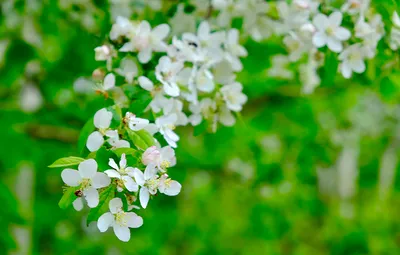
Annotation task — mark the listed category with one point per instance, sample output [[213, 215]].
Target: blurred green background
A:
[[297, 175]]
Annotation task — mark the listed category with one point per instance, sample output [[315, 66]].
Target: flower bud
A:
[[98, 74], [151, 155], [102, 53]]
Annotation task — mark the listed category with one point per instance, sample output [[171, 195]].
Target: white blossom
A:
[[166, 125], [136, 123], [119, 220], [122, 173], [233, 96], [107, 85], [123, 27], [162, 158], [128, 69], [150, 182], [87, 180], [280, 67], [146, 40], [234, 50], [329, 32], [352, 60], [102, 121], [166, 73]]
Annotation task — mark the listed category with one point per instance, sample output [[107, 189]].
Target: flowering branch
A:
[[159, 80]]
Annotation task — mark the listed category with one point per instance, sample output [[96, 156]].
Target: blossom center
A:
[[141, 42], [120, 219], [330, 30], [85, 183], [165, 164], [152, 184]]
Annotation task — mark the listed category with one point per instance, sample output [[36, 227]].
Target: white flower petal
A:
[[111, 162], [335, 18], [71, 177], [203, 31], [145, 83], [171, 89], [78, 204], [92, 197], [113, 173], [144, 197], [102, 118], [122, 162], [122, 232], [320, 21], [346, 70], [342, 33], [109, 81], [319, 39], [130, 184], [144, 55], [133, 220], [94, 141], [88, 168], [150, 171], [105, 221], [334, 45], [115, 205], [161, 31], [359, 66], [139, 177], [396, 19], [100, 180], [173, 189]]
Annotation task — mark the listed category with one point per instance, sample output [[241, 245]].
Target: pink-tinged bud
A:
[[102, 53], [302, 4], [98, 74], [151, 155], [308, 28]]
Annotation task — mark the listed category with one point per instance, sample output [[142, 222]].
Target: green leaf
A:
[[117, 116], [104, 198], [68, 161], [146, 137], [141, 139], [201, 128], [68, 198], [330, 69], [140, 99], [134, 160], [102, 157], [85, 132], [127, 151]]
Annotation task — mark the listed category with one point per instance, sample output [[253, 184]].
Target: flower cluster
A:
[[308, 31], [155, 86], [194, 77], [168, 75]]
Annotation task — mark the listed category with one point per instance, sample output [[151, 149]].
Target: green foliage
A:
[[127, 151], [141, 139], [68, 161], [102, 158], [104, 198], [68, 198], [267, 202], [87, 129]]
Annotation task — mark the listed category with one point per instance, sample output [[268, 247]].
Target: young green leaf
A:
[[105, 196], [68, 198], [68, 161], [140, 139], [102, 158], [85, 132], [146, 137], [127, 151]]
